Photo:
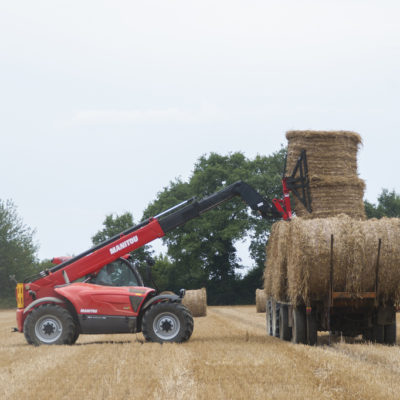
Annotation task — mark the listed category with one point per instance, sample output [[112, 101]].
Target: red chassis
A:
[[90, 299]]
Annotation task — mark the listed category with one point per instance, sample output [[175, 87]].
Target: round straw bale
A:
[[355, 251], [196, 302], [332, 170], [328, 152], [261, 301], [332, 196], [275, 273]]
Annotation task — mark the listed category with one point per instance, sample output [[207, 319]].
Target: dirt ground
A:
[[228, 357]]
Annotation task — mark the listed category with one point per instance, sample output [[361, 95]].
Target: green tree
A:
[[203, 251], [17, 250], [388, 205]]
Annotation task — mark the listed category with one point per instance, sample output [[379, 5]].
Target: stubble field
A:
[[228, 357]]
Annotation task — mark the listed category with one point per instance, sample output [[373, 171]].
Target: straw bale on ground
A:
[[354, 257], [332, 169], [196, 302], [261, 301]]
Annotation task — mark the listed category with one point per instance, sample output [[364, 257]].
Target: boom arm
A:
[[248, 194], [133, 238]]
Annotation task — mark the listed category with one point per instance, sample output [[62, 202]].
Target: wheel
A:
[[167, 322], [49, 324], [312, 329], [275, 318], [378, 333], [390, 334], [76, 334], [269, 317], [285, 332], [367, 335], [299, 334]]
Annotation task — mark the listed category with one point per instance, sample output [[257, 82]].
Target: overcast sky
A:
[[103, 103]]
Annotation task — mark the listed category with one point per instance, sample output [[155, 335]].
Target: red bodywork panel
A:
[[88, 298], [92, 263], [283, 205], [60, 260]]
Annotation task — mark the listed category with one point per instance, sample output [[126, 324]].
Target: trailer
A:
[[339, 312]]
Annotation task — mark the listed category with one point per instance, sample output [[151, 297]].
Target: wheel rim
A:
[[48, 329], [166, 326]]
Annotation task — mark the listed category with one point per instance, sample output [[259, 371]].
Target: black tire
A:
[[312, 329], [378, 333], [167, 322], [76, 335], [268, 314], [276, 307], [367, 335], [285, 331], [49, 324], [299, 334], [390, 334]]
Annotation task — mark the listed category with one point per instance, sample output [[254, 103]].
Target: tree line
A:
[[201, 253]]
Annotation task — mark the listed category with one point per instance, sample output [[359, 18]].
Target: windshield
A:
[[117, 273]]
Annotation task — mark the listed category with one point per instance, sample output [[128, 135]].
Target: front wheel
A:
[[167, 322], [49, 324]]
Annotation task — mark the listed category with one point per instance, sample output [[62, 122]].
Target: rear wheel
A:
[[299, 334], [390, 333], [367, 335], [269, 317], [312, 329], [285, 332], [167, 322], [275, 318], [378, 333], [49, 324]]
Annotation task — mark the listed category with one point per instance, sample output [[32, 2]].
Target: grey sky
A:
[[102, 103]]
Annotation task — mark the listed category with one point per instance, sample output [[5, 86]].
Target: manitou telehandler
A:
[[101, 291]]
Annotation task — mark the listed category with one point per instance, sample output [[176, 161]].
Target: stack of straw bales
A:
[[332, 169], [305, 258], [299, 251], [196, 302], [261, 300]]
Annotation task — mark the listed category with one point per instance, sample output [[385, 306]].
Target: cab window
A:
[[117, 273]]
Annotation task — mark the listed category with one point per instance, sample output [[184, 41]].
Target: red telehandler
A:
[[100, 290]]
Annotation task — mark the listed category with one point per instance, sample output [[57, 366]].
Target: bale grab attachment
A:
[[299, 184]]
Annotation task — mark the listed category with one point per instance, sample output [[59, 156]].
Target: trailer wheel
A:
[[268, 314], [378, 333], [276, 307], [390, 333], [49, 324], [299, 334], [312, 329], [285, 331], [367, 335], [167, 322]]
